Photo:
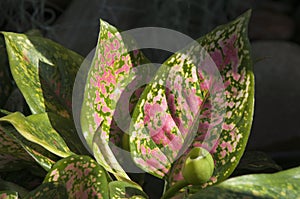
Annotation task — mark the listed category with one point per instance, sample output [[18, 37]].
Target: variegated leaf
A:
[[9, 186], [284, 184], [110, 73], [125, 190], [82, 176], [48, 190], [38, 129], [44, 72], [9, 147], [8, 195], [229, 48], [67, 131], [5, 81], [156, 138], [38, 153], [181, 95]]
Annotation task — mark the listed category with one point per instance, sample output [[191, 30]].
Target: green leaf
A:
[[82, 176], [284, 184], [8, 195], [38, 153], [48, 190], [12, 154], [28, 178], [5, 80], [119, 189], [44, 71], [67, 131], [9, 186], [38, 129], [108, 77]]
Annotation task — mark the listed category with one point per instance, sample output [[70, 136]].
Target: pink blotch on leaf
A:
[[227, 127], [217, 58], [69, 183], [97, 119], [87, 171], [223, 153]]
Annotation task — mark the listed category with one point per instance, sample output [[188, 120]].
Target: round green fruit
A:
[[198, 167]]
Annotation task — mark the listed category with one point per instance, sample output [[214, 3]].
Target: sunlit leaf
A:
[[44, 71], [110, 73], [82, 176], [182, 94], [38, 129], [229, 47], [284, 184]]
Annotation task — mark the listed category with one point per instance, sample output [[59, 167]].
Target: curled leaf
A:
[[38, 129]]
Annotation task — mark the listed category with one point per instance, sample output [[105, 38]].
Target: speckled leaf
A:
[[44, 72], [168, 115], [48, 190], [156, 137], [229, 48], [9, 186], [284, 184], [5, 81], [12, 154], [125, 190], [82, 176], [38, 129], [108, 76], [67, 131], [38, 153], [8, 195]]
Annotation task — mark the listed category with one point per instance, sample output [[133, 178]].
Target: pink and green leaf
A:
[[156, 137], [110, 73], [82, 176], [44, 71], [175, 101], [283, 184], [38, 129], [229, 47]]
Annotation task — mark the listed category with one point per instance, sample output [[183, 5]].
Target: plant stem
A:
[[175, 189]]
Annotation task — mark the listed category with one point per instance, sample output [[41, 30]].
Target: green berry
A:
[[198, 166]]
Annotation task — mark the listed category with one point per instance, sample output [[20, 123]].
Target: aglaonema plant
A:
[[186, 127]]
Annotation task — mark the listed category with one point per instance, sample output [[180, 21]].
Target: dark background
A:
[[274, 32]]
